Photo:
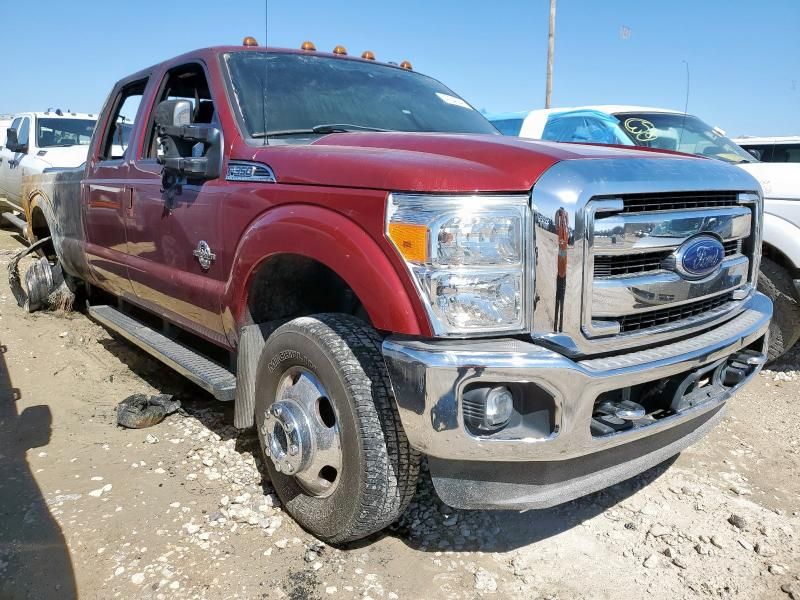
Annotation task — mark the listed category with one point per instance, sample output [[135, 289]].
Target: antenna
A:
[[685, 105], [266, 68]]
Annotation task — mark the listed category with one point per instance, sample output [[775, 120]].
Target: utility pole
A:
[[551, 43]]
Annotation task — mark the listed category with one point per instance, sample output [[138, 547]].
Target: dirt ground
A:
[[180, 510]]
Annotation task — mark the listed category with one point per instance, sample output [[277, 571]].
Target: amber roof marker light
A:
[[406, 65], [308, 46], [249, 41], [368, 55], [340, 50]]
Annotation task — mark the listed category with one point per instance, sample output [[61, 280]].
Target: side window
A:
[[792, 152], [508, 126], [599, 132], [786, 153], [23, 133], [187, 82], [566, 129], [117, 135]]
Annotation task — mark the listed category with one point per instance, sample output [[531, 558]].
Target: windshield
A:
[[64, 132], [305, 92], [683, 133]]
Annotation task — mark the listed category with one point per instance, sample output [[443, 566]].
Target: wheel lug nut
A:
[[278, 467], [277, 411], [289, 427], [293, 450]]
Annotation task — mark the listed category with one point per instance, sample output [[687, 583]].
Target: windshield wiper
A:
[[320, 129]]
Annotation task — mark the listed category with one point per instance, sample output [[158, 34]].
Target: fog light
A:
[[488, 409]]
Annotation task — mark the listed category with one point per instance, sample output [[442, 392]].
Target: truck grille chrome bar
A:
[[614, 265], [654, 318], [678, 201]]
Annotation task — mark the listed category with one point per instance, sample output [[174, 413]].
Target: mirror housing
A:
[[189, 151], [756, 153], [174, 113], [12, 142]]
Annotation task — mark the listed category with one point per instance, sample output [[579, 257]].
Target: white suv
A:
[[36, 141], [673, 130]]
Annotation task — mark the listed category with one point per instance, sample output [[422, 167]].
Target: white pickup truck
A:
[[36, 141], [673, 130]]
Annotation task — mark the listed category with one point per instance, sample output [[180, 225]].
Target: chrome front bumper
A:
[[428, 378]]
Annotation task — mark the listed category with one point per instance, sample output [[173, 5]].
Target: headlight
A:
[[467, 255]]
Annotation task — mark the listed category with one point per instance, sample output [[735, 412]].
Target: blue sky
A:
[[744, 56]]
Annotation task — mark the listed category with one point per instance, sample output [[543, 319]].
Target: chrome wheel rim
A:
[[301, 433]]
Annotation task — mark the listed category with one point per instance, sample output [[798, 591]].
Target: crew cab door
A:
[[6, 159], [13, 161], [175, 241], [106, 191]]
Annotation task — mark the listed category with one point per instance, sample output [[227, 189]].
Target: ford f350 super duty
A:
[[354, 256]]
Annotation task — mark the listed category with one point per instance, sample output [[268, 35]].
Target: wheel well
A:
[[288, 286], [776, 256], [40, 229]]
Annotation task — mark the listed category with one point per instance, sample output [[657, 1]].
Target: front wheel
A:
[[784, 329], [329, 429]]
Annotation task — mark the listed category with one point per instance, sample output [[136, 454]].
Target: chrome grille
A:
[[678, 201], [634, 282], [620, 265], [664, 316]]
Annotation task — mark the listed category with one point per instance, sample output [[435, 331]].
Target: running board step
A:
[[210, 376]]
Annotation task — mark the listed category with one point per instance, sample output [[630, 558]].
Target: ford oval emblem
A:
[[699, 256]]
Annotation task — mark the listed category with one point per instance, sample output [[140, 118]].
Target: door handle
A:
[[129, 200]]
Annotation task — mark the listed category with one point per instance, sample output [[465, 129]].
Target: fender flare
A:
[[341, 245], [782, 235]]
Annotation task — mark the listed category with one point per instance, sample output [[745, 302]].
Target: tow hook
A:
[[740, 365], [617, 414]]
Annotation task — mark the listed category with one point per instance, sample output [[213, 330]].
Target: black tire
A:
[[784, 329], [379, 467]]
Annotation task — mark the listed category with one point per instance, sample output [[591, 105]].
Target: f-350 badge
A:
[[204, 255]]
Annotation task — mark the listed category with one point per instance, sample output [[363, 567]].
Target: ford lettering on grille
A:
[[699, 256]]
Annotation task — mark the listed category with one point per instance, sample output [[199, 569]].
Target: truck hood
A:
[[64, 156], [778, 180], [429, 162]]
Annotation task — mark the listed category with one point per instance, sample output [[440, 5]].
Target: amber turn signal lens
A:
[[368, 55], [249, 41], [340, 50], [406, 65], [309, 46], [411, 241]]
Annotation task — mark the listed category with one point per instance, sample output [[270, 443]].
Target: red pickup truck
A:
[[354, 256]]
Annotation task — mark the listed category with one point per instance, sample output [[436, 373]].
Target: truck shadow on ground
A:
[[428, 525], [34, 558]]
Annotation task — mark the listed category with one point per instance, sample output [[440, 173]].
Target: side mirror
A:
[[174, 113], [12, 142], [756, 153], [189, 151]]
